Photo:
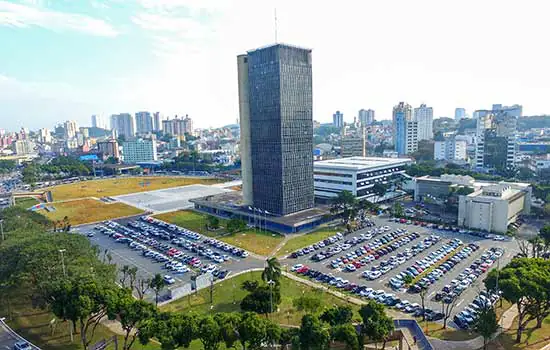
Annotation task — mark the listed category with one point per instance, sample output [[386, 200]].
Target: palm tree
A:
[[345, 203], [272, 270]]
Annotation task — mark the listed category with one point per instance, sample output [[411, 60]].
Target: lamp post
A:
[[271, 283]]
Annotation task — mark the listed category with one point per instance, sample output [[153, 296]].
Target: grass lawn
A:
[[532, 339], [88, 210], [228, 294], [307, 239], [26, 203], [118, 186], [190, 220], [257, 242], [436, 330]]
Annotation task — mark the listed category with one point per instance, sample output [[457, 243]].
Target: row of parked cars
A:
[[319, 245], [381, 296], [464, 280], [420, 266], [400, 258], [466, 318]]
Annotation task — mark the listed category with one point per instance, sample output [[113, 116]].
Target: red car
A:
[[303, 270]]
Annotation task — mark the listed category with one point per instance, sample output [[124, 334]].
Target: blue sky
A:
[[68, 59]]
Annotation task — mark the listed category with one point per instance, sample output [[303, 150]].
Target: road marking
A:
[[382, 279], [432, 293], [460, 302]]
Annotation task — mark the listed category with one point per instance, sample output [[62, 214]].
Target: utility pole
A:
[[61, 251], [271, 283]]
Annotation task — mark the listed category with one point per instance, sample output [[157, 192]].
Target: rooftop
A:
[[279, 44], [361, 163]]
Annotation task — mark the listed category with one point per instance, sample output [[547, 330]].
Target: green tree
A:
[[346, 333], [526, 283], [313, 334], [308, 303], [252, 331], [397, 210], [337, 315], [345, 204], [486, 324], [157, 284], [272, 270], [131, 314], [210, 333], [379, 189], [235, 225], [407, 280], [544, 233], [261, 298], [213, 222], [229, 327], [377, 326]]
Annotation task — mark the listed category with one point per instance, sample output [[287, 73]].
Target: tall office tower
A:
[[338, 119], [460, 113], [188, 125], [157, 121], [496, 141], [124, 124], [425, 118], [405, 129], [366, 116], [70, 129], [98, 121], [144, 122], [275, 83]]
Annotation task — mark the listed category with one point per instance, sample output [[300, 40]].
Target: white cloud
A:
[[23, 16]]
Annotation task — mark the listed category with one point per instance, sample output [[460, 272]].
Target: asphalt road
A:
[[510, 247], [122, 255]]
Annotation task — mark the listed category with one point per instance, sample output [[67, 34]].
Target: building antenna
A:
[[275, 12]]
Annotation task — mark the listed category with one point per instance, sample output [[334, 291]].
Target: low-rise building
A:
[[450, 150], [139, 150], [357, 175]]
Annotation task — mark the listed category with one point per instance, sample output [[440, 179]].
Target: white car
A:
[[169, 279], [296, 267]]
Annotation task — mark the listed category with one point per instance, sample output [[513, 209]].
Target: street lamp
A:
[[271, 283], [61, 251], [2, 228]]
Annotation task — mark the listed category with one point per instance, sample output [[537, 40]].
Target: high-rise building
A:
[[460, 113], [124, 124], [496, 140], [157, 121], [23, 147], [514, 110], [405, 129], [366, 116], [188, 126], [70, 129], [98, 121], [338, 119], [425, 117], [139, 150], [450, 149], [144, 122], [168, 127], [109, 148], [44, 136], [275, 100]]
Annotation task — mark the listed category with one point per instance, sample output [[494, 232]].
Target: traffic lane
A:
[[7, 340]]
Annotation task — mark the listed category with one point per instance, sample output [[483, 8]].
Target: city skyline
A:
[[178, 56]]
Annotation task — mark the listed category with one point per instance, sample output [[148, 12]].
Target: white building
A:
[[23, 147], [124, 124], [425, 117], [492, 208], [98, 121], [450, 150], [144, 122], [44, 136], [70, 129], [405, 129], [139, 150], [357, 175], [366, 116]]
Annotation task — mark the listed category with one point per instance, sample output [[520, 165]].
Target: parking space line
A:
[[460, 302]]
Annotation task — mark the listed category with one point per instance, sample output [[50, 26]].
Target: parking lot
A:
[[174, 252], [368, 262]]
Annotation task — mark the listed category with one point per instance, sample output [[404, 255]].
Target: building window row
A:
[[331, 174], [334, 182]]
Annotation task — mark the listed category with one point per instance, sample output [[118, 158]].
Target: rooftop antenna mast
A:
[[275, 13]]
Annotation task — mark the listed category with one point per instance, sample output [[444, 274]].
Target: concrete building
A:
[[139, 150], [178, 126], [514, 110], [460, 113], [338, 119], [23, 147], [352, 146], [366, 116], [157, 121], [70, 129], [496, 141], [124, 124], [98, 121], [451, 149], [492, 208], [277, 80], [244, 121], [144, 122], [424, 116], [44, 135], [405, 129], [109, 148], [357, 175], [168, 127]]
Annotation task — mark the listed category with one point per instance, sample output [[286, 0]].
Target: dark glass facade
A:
[[281, 128]]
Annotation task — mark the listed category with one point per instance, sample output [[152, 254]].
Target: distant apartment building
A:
[[405, 129], [157, 121], [44, 135], [460, 113], [496, 140], [450, 150], [98, 121], [23, 147], [338, 119], [366, 116], [424, 116], [178, 126], [353, 146], [70, 129], [109, 148], [144, 122], [124, 124], [139, 150]]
